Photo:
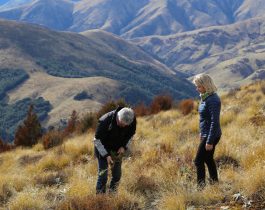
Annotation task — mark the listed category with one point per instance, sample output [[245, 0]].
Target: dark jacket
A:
[[110, 135], [209, 111]]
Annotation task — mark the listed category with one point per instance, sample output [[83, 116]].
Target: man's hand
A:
[[109, 160], [208, 147], [121, 151]]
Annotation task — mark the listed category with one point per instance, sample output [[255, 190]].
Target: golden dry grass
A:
[[158, 172]]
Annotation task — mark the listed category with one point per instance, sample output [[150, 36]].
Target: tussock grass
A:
[[99, 202], [53, 162], [29, 200], [82, 182], [253, 181], [158, 171], [26, 159], [211, 195], [90, 202], [6, 191], [51, 178], [76, 149], [15, 181], [172, 202], [254, 154], [38, 147], [228, 117]]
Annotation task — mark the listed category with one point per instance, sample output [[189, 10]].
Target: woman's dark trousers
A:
[[202, 157], [103, 175]]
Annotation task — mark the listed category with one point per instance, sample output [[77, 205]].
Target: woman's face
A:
[[200, 89]]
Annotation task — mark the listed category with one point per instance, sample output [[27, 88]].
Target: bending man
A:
[[113, 134]]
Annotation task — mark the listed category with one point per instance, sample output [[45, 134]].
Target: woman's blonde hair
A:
[[206, 81]]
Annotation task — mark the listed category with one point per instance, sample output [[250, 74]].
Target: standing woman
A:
[[210, 130]]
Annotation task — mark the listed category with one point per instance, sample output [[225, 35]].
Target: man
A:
[[113, 134]]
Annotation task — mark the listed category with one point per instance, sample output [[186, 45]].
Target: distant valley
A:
[[60, 65]]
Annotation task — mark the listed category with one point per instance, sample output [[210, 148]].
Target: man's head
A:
[[125, 116]]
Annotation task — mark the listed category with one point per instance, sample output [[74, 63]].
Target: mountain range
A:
[[190, 36], [233, 54], [131, 18]]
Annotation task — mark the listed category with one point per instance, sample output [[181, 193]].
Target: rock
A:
[[239, 198], [248, 204], [236, 196], [224, 207], [191, 208]]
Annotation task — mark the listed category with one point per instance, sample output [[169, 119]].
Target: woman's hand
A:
[[208, 147]]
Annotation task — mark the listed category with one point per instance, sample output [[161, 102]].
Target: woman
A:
[[210, 130]]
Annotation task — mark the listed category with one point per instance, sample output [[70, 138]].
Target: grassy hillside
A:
[[60, 65], [61, 92], [157, 174], [71, 55]]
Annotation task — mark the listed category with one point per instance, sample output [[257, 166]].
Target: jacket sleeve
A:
[[100, 135], [130, 134], [214, 111]]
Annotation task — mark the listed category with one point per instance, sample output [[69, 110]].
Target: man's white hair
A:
[[206, 81], [126, 115]]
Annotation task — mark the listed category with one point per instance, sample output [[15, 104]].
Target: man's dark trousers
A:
[[103, 174]]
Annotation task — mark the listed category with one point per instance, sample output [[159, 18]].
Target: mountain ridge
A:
[[136, 18], [226, 52]]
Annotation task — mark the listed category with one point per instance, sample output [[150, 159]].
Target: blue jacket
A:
[[209, 111]]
